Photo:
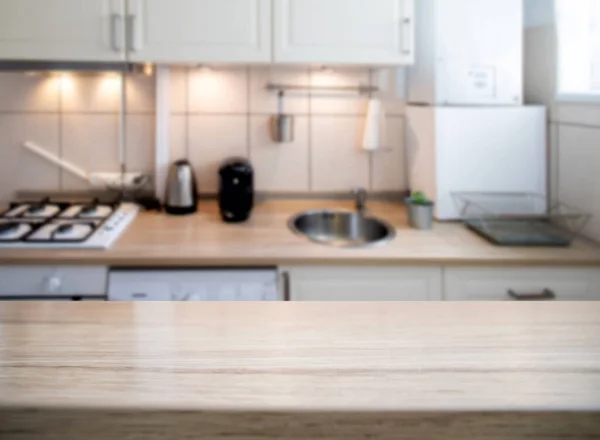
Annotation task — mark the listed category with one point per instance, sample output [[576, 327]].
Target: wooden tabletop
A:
[[299, 371], [355, 357], [204, 240]]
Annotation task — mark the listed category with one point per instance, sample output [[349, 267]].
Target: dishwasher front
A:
[[193, 285]]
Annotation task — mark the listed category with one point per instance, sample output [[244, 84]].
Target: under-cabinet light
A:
[[65, 81], [148, 69]]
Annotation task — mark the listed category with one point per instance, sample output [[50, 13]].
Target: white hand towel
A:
[[374, 133]]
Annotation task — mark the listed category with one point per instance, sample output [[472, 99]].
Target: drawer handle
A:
[[117, 32], [287, 286], [545, 295], [133, 40], [406, 36]]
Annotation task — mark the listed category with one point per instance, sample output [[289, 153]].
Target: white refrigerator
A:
[[476, 149]]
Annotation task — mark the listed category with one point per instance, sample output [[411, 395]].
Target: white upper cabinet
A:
[[62, 30], [237, 31], [377, 32], [367, 32]]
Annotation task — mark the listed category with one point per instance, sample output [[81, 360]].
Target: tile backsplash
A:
[[223, 112], [75, 117], [215, 113]]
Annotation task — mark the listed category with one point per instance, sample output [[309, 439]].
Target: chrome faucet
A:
[[360, 200]]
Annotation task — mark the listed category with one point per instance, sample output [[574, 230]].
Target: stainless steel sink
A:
[[342, 229]]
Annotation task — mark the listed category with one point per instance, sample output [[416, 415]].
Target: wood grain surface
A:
[[379, 356], [299, 371], [204, 240]]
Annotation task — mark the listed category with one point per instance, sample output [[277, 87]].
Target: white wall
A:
[[574, 127]]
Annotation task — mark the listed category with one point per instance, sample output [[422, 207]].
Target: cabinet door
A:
[[23, 281], [344, 31], [62, 30], [200, 31], [492, 284], [480, 56], [365, 284]]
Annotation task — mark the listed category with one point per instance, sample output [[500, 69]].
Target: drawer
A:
[[495, 284], [358, 283], [53, 280]]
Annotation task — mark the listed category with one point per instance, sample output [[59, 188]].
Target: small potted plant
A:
[[420, 211]]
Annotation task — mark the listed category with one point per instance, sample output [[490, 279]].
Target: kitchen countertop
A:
[[203, 240], [300, 370]]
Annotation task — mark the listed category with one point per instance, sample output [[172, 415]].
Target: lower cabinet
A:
[[362, 283], [522, 284], [29, 282]]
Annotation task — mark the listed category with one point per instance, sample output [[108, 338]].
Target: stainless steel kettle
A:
[[182, 192]]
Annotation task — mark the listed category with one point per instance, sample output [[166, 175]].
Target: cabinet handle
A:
[[406, 36], [133, 43], [116, 24], [287, 286], [545, 295]]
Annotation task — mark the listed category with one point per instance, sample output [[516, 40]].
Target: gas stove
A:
[[47, 224]]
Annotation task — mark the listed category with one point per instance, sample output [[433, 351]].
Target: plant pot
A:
[[420, 216]]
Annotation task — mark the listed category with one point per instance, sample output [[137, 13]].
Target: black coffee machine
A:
[[236, 190]]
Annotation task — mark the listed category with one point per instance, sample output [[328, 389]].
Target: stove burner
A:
[[87, 210], [63, 229], [8, 228], [90, 209], [67, 228], [38, 207]]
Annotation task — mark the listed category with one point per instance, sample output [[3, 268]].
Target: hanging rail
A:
[[361, 89]]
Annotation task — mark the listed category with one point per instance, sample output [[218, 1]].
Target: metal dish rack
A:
[[520, 219]]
